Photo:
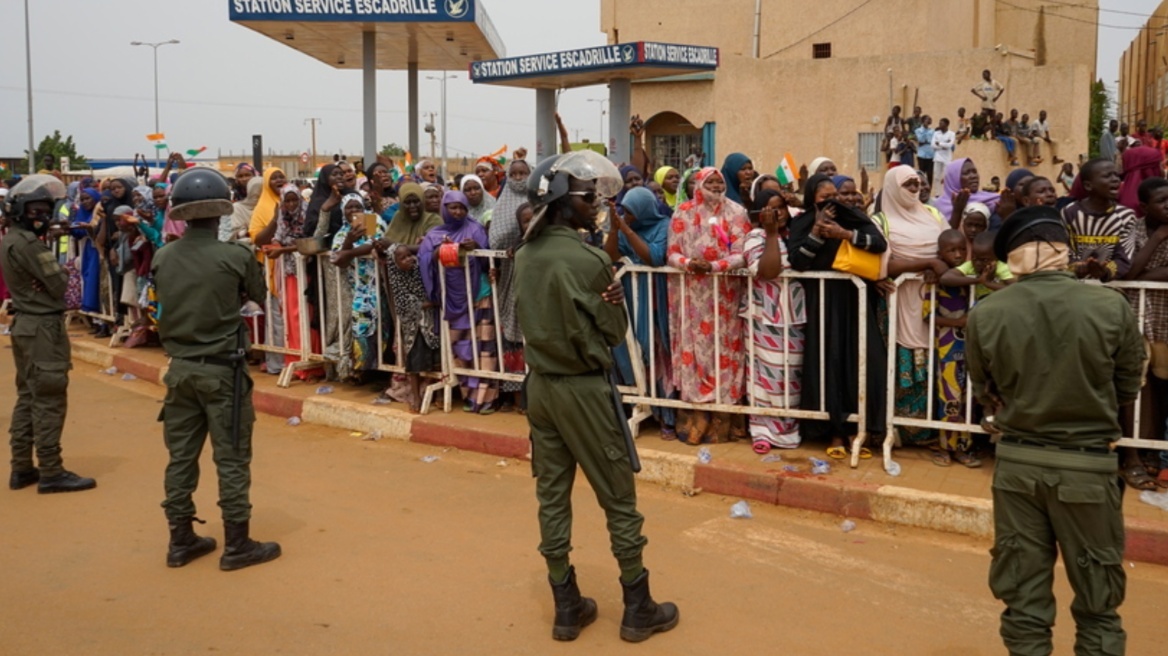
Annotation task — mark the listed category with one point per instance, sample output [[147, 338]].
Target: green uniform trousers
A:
[[198, 402], [40, 347], [573, 421], [1039, 506]]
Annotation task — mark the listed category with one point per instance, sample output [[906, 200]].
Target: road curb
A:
[[891, 504]]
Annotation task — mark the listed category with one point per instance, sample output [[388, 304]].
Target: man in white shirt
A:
[[944, 141], [989, 90], [1041, 129]]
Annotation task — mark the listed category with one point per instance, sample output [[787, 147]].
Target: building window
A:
[[672, 149], [868, 147], [821, 51]]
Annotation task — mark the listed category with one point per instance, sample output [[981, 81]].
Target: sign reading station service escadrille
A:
[[615, 56], [353, 10]]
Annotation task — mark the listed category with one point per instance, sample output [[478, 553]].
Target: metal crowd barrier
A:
[[968, 425], [108, 312], [268, 341], [647, 395]]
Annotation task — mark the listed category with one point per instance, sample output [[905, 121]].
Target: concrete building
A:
[[818, 79], [1143, 74]]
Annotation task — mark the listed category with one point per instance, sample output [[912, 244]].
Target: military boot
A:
[[185, 545], [22, 479], [643, 616], [242, 551], [573, 612], [66, 481]]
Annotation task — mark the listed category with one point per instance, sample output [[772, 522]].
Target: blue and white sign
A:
[[389, 11], [616, 56]]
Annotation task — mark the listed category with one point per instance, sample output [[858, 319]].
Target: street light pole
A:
[[28, 72], [602, 113], [155, 47], [443, 79]]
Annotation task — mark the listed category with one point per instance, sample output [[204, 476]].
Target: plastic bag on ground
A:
[[740, 510], [1158, 499]]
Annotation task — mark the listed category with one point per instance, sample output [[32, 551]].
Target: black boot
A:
[[185, 545], [643, 616], [573, 612], [66, 481], [22, 479], [242, 551]]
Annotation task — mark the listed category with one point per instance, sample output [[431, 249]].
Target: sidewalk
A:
[[953, 499]]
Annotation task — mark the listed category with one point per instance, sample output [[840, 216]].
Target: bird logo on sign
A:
[[476, 69], [457, 8], [629, 53]]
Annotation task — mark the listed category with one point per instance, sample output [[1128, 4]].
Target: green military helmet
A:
[[30, 189], [200, 193]]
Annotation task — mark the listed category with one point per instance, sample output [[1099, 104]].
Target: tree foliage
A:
[[57, 147], [392, 150], [1100, 115]]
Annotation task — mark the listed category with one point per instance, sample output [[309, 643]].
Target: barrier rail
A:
[[969, 425], [275, 332], [108, 312], [786, 279]]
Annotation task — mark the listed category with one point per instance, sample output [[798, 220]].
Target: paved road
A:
[[386, 554]]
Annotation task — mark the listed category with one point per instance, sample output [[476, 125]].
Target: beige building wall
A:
[[1143, 74], [789, 102]]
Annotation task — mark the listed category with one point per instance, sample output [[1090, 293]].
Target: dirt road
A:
[[387, 554]]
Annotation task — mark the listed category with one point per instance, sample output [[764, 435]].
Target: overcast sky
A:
[[224, 82]]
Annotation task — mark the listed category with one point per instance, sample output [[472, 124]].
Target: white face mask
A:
[[1039, 256]]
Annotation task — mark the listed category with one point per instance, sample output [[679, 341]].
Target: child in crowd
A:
[[1066, 177], [974, 221], [983, 269], [952, 304], [995, 185], [1101, 230], [414, 314], [122, 259], [1149, 264], [1038, 191]]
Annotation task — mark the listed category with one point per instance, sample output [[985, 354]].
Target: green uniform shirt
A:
[[200, 282], [26, 259], [1062, 355], [569, 328]]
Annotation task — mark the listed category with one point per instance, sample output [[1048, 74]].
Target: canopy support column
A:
[[620, 111], [369, 89], [546, 140], [412, 83]]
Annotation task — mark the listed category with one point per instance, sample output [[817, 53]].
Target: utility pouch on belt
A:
[[239, 358]]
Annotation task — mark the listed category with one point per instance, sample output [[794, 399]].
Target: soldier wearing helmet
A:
[[572, 314], [201, 284], [40, 344]]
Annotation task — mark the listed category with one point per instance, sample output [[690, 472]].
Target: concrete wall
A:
[[1143, 74]]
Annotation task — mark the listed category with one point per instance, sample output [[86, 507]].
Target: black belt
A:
[[18, 312], [207, 359], [1040, 445]]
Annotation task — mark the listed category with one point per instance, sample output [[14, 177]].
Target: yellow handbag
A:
[[857, 261]]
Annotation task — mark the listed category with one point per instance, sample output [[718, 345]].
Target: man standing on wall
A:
[[944, 141], [989, 90]]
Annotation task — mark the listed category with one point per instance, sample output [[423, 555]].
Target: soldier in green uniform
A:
[[1054, 359], [40, 344], [201, 284], [572, 314]]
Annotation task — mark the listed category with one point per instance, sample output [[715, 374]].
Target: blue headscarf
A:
[[459, 297], [730, 168], [839, 180], [651, 225]]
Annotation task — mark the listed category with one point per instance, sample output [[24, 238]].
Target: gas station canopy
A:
[[639, 60], [432, 34]]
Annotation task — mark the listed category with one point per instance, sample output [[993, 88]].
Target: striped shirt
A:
[[1108, 236]]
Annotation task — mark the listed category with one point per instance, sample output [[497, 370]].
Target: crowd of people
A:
[[395, 273]]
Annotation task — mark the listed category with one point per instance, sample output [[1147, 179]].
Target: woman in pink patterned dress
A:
[[707, 236]]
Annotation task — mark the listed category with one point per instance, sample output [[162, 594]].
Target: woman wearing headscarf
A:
[[738, 172], [632, 178], [961, 174], [481, 203], [462, 311], [778, 318], [642, 235], [912, 229], [686, 186], [706, 236], [330, 176], [261, 229], [816, 237], [670, 180], [269, 202], [506, 235], [411, 222], [822, 166], [120, 193], [235, 228], [432, 193], [1139, 164], [244, 172], [83, 228], [290, 226], [381, 191], [350, 250]]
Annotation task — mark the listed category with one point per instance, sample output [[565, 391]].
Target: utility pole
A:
[[28, 73], [155, 47], [313, 121]]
